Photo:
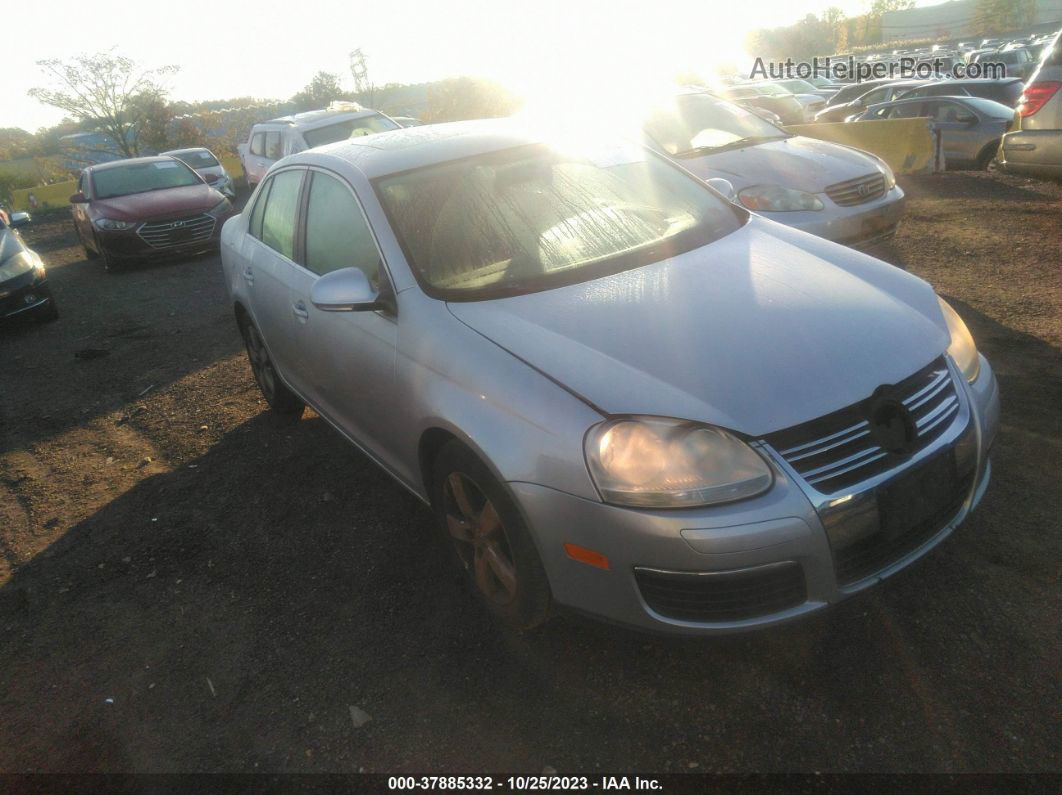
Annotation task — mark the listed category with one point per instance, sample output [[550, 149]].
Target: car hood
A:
[[158, 203], [801, 163], [763, 329]]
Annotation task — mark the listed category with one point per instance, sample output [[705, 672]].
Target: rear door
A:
[[269, 265], [960, 129]]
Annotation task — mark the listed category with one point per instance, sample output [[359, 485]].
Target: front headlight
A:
[[113, 225], [962, 348], [222, 206], [776, 199], [886, 171], [20, 263], [657, 462]]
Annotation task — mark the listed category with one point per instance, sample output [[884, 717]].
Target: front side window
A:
[[337, 234], [142, 177], [532, 218], [278, 218], [698, 123]]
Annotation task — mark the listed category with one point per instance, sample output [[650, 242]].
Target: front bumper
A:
[[131, 244], [783, 527], [857, 226], [24, 295], [1033, 152]]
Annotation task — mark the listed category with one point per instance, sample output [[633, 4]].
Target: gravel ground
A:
[[187, 584]]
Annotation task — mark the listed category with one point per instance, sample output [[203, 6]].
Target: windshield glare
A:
[[141, 177], [698, 122], [531, 218], [351, 128]]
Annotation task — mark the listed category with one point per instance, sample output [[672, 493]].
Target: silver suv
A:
[[1036, 148], [271, 140]]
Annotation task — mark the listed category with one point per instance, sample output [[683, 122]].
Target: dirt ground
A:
[[188, 585]]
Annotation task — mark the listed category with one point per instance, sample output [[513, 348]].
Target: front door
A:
[[349, 356]]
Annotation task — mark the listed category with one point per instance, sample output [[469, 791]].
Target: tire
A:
[[487, 535], [49, 314], [90, 253], [987, 155], [281, 400], [110, 263]]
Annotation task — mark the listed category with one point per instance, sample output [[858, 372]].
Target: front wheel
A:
[[489, 538], [280, 399]]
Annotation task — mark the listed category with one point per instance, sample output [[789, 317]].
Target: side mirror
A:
[[345, 290], [211, 178], [19, 219], [79, 198], [724, 186]]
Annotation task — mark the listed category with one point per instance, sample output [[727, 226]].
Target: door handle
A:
[[299, 310], [248, 274]]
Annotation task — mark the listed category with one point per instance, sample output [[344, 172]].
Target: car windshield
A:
[[699, 123], [142, 177], [197, 158], [798, 86], [532, 218], [350, 128], [756, 90]]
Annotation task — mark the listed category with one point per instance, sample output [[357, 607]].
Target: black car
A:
[[24, 290], [1006, 90]]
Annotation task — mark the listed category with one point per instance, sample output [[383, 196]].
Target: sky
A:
[[269, 49]]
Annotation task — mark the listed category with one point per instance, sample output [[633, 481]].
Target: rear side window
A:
[[908, 110], [254, 225], [258, 144], [950, 112], [337, 234], [272, 146], [278, 218]]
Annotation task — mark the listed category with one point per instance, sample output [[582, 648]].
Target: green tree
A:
[[319, 92], [107, 92]]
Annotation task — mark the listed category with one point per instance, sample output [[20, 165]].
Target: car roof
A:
[[186, 150], [312, 119], [127, 162], [409, 148]]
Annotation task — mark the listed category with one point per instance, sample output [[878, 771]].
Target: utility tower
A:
[[359, 71]]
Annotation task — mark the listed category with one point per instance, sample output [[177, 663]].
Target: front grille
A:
[[858, 190], [178, 231], [723, 595], [873, 553], [837, 451]]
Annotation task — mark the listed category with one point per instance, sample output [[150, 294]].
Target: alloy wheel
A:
[[479, 536], [261, 365]]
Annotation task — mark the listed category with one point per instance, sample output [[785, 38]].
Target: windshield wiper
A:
[[750, 140]]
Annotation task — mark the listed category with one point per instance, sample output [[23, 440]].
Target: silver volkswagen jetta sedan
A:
[[617, 391]]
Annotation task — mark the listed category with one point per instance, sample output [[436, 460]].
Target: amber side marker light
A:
[[587, 556]]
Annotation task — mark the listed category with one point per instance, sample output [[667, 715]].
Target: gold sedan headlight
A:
[[962, 348]]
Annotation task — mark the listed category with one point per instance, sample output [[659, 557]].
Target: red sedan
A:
[[146, 207]]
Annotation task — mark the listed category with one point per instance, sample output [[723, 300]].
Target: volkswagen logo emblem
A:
[[891, 425]]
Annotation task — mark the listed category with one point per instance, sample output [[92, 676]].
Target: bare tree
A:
[[107, 91]]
